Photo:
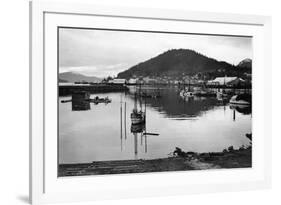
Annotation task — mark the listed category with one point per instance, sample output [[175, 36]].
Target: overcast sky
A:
[[102, 53]]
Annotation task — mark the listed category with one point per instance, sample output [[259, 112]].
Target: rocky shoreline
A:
[[180, 161]]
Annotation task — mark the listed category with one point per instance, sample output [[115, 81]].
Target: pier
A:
[[66, 90]]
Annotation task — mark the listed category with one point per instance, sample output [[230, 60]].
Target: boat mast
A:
[[223, 90], [135, 102], [136, 145], [140, 98], [125, 120], [121, 132]]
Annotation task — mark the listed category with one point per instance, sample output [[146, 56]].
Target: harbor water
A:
[[98, 132]]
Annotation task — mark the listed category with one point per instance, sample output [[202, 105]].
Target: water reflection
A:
[[105, 132], [244, 109], [138, 130], [171, 105], [80, 105]]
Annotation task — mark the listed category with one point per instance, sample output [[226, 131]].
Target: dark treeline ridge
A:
[[179, 62]]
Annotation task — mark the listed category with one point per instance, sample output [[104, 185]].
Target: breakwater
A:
[[65, 90]]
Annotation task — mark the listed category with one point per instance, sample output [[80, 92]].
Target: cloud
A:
[[103, 52]]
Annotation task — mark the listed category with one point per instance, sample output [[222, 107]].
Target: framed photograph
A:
[[129, 102]]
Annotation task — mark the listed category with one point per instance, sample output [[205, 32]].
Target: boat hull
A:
[[186, 94], [239, 102], [236, 100]]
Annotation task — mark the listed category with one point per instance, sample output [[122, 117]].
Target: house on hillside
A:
[[229, 81], [132, 81], [74, 84], [148, 80]]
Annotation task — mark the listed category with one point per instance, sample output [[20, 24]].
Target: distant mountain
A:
[[177, 62], [246, 63], [77, 77], [62, 81]]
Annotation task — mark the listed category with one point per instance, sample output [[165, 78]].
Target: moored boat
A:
[[98, 100], [221, 95], [244, 109], [242, 99], [185, 93], [137, 116]]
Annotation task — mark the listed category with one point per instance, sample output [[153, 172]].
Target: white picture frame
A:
[[45, 187]]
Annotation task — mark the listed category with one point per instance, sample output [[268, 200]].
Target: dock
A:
[[66, 90]]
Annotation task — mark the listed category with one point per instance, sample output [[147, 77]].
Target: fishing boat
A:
[[187, 93], [98, 100], [137, 116], [241, 99], [222, 95], [244, 109]]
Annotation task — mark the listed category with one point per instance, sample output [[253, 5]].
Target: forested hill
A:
[[177, 62], [72, 77]]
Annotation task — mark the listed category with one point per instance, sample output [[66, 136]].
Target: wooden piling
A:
[[125, 120], [136, 144], [121, 132]]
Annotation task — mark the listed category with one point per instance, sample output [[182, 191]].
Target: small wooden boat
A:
[[222, 95], [244, 109], [242, 99], [98, 100], [188, 94]]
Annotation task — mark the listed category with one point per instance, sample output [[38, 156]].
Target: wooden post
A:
[[125, 120], [121, 133], [145, 141], [136, 144]]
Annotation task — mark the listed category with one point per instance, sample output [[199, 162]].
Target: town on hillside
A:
[[176, 67]]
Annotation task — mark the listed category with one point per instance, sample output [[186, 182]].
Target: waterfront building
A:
[[132, 81], [118, 81], [230, 81]]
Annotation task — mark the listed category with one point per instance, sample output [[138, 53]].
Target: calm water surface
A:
[[104, 132]]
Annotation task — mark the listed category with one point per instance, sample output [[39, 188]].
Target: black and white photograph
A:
[[132, 101]]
